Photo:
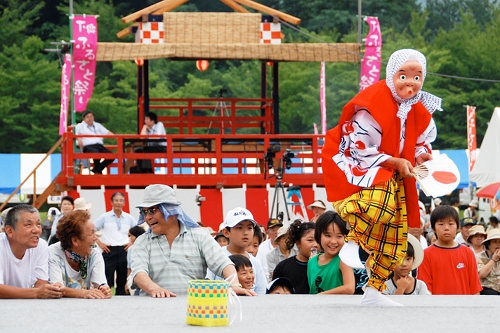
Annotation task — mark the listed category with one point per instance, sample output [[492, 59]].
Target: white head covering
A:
[[397, 59]]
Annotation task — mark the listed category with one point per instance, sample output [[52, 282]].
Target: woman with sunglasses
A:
[[74, 261]]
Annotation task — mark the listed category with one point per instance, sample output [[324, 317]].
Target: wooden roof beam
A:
[[128, 30], [261, 8], [235, 6], [169, 4], [169, 7]]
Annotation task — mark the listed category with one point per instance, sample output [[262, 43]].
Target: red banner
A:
[[370, 66], [65, 89], [84, 57], [471, 135]]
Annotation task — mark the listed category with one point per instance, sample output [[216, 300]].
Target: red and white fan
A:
[[438, 176]]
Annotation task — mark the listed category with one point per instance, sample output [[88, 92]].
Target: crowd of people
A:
[[372, 241], [161, 252]]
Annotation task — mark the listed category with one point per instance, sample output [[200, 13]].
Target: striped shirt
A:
[[192, 252]]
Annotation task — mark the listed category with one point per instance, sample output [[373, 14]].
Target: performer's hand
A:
[[423, 158], [404, 167]]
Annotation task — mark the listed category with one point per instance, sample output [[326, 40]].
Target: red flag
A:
[[471, 135]]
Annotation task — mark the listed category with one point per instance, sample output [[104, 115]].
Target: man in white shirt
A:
[[24, 261], [114, 241], [151, 127], [268, 245], [93, 144]]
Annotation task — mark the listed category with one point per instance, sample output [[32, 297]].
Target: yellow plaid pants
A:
[[378, 223]]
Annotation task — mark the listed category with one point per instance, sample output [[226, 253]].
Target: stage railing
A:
[[198, 159]]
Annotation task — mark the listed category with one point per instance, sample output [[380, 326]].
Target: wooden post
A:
[[263, 93], [276, 98]]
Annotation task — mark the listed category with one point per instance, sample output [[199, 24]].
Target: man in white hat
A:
[[24, 257], [471, 211], [114, 241], [176, 250]]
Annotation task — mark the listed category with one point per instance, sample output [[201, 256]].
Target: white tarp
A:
[[486, 170]]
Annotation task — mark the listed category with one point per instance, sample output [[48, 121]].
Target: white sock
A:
[[349, 254], [373, 297]]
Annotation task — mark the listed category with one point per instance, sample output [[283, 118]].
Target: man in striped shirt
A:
[[176, 250]]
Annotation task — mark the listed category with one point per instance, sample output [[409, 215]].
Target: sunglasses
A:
[[149, 211]]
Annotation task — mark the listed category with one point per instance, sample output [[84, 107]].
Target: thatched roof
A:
[[305, 52]]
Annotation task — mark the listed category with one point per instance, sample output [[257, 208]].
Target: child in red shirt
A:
[[448, 267]]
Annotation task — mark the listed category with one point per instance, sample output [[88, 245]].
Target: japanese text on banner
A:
[[84, 56], [370, 66], [65, 89], [471, 135]]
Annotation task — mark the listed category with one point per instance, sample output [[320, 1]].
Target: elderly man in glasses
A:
[[176, 250]]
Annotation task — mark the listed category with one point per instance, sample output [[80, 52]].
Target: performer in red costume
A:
[[368, 160]]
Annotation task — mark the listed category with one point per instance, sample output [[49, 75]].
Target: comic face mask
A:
[[408, 79]]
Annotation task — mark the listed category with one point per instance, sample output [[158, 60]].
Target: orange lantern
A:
[[202, 65]]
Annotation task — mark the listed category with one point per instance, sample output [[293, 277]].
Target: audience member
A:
[[488, 264], [24, 269], [326, 273], [476, 237], [93, 144], [239, 229], [243, 265], [151, 127], [268, 245], [281, 252], [253, 247], [221, 239], [318, 207], [455, 203], [133, 233], [67, 205], [300, 235], [448, 268], [48, 222], [114, 241], [465, 225], [280, 286], [2, 219], [176, 250], [75, 262], [401, 282], [493, 223], [471, 211]]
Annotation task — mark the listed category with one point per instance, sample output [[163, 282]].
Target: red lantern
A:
[[202, 65], [139, 62]]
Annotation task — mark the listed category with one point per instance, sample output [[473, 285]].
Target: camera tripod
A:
[[220, 109], [279, 189]]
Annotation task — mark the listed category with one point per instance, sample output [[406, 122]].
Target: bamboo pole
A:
[[257, 6], [169, 4], [169, 7], [126, 31], [54, 147], [235, 6]]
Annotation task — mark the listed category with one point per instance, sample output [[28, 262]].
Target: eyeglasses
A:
[[317, 282], [149, 211]]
